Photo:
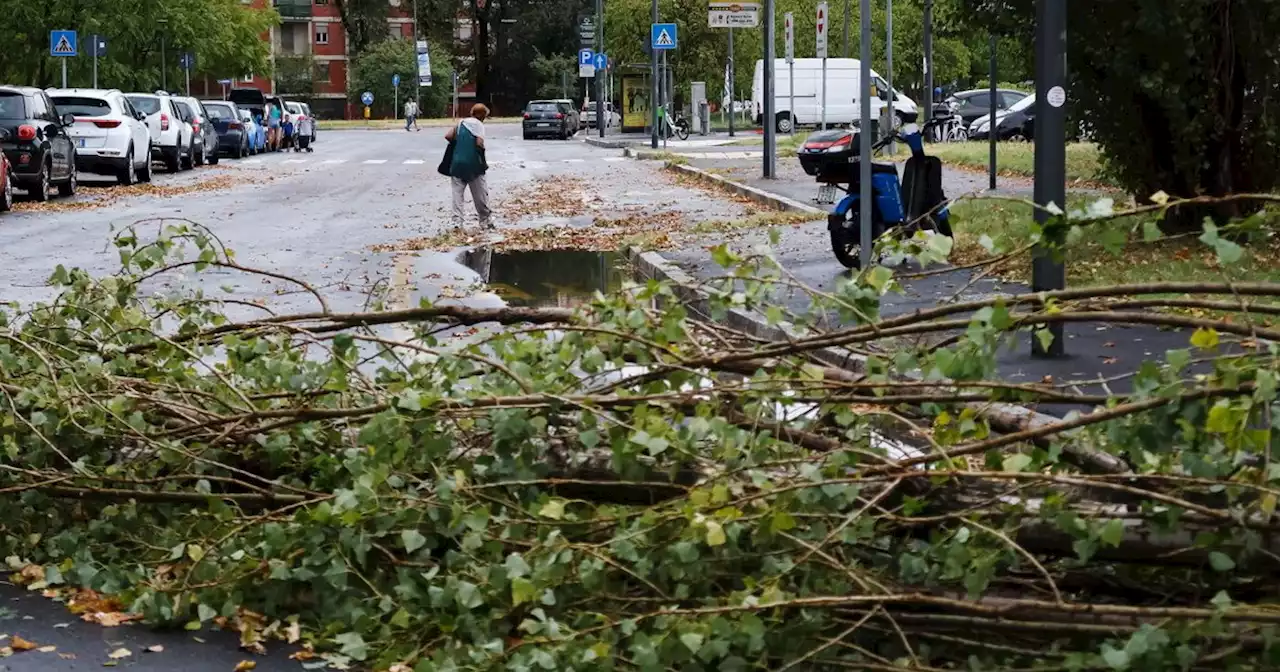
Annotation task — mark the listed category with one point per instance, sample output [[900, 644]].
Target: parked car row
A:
[[49, 136]]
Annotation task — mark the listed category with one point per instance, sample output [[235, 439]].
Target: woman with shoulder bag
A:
[[465, 165]]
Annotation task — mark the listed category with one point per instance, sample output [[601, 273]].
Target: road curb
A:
[[1003, 417], [607, 144], [772, 200]]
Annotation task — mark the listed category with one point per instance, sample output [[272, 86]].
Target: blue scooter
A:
[[832, 157]]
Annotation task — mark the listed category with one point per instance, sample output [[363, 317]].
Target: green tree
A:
[[365, 22], [373, 70], [225, 36], [295, 75], [551, 74], [1179, 96]]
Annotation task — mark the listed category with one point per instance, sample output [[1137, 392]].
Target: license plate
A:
[[545, 125], [80, 142], [827, 194]]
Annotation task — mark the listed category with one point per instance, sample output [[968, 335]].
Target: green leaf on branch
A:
[[1221, 562], [1205, 338], [412, 540]]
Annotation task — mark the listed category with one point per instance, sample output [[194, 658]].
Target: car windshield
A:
[[543, 107], [1023, 104], [218, 112], [145, 104], [245, 116], [294, 108], [12, 105], [82, 107]]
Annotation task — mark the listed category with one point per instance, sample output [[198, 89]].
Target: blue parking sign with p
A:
[[63, 43], [586, 57]]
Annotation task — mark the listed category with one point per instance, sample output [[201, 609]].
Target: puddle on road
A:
[[563, 278]]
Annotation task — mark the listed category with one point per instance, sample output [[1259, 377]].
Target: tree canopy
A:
[[224, 35]]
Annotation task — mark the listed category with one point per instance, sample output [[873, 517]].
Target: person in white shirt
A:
[[411, 115]]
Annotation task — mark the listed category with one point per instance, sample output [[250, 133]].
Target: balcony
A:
[[293, 10]]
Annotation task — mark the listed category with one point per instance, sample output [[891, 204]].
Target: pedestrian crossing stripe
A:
[[64, 46], [664, 39]]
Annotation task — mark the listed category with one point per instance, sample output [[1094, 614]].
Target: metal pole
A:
[[824, 94], [95, 60], [455, 92], [164, 62], [186, 73], [1048, 274], [732, 97], [600, 75], [846, 27], [991, 160], [664, 92], [791, 77], [417, 76], [888, 69], [864, 134], [767, 114], [64, 72], [564, 85], [395, 105], [653, 84], [928, 61]]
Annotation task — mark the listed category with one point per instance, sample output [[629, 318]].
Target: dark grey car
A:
[[977, 102], [549, 118], [205, 143]]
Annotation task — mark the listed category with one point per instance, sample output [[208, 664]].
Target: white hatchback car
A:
[[171, 137], [110, 136]]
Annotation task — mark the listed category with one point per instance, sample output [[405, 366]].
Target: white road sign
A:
[[789, 25], [821, 35], [733, 14]]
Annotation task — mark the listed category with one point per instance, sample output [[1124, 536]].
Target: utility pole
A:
[[417, 76], [600, 75], [864, 135], [1048, 274], [732, 97], [164, 59], [653, 82], [991, 159], [928, 60], [846, 27], [888, 68], [767, 116]]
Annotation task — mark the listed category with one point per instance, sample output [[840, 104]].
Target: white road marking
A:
[[535, 164], [613, 159], [414, 162], [295, 160], [574, 160], [249, 161], [333, 161], [375, 161]]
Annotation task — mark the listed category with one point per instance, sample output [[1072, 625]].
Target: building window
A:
[[322, 33], [248, 77], [322, 73], [322, 2]]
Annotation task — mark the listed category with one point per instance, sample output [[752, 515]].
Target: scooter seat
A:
[[881, 168]]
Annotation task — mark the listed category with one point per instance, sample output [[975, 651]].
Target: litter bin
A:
[[704, 115]]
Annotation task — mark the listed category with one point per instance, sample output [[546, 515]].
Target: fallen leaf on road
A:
[[1110, 360], [120, 653], [20, 644], [67, 656], [1109, 344], [47, 649], [157, 648], [245, 666]]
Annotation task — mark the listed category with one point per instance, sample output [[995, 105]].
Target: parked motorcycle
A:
[[915, 202]]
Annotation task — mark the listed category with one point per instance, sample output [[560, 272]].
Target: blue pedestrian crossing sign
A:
[[601, 62], [663, 36], [63, 43], [586, 57], [395, 80], [367, 98]]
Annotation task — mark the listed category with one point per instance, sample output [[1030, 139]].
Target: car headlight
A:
[[981, 127]]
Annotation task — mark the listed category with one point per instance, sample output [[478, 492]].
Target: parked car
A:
[[611, 117], [548, 118], [976, 103], [110, 136], [571, 111], [233, 139], [1017, 123], [171, 137], [6, 181], [36, 143], [255, 132], [206, 136]]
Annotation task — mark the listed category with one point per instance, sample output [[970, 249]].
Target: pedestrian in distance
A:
[[411, 115], [467, 165]]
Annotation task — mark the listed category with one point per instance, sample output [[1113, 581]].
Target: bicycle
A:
[[676, 125]]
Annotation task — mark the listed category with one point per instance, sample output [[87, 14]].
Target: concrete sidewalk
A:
[[1095, 352]]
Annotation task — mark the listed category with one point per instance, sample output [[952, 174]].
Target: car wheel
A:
[[187, 162], [68, 189], [6, 194], [173, 160], [41, 190], [128, 176], [214, 158], [786, 123], [197, 159], [527, 136], [144, 175]]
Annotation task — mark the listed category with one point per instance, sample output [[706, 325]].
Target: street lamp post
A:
[[600, 75], [417, 76], [1048, 273], [164, 75], [653, 85]]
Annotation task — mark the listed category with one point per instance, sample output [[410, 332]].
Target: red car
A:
[[6, 185]]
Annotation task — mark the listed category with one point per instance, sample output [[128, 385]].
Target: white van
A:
[[843, 77]]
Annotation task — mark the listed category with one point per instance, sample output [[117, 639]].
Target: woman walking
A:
[[467, 167]]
